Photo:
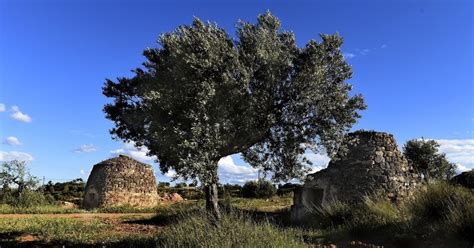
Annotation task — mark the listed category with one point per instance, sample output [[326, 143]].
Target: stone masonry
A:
[[121, 181], [373, 165]]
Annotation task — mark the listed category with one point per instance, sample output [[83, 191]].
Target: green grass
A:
[[263, 205], [441, 215], [235, 230], [46, 209], [56, 230]]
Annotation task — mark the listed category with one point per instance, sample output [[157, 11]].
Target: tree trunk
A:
[[212, 205]]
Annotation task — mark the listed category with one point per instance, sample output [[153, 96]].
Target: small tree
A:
[[16, 173], [427, 160], [205, 95]]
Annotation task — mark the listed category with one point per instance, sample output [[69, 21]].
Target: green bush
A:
[[28, 199], [258, 189]]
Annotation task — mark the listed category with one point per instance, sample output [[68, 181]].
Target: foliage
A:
[[181, 185], [203, 95], [426, 159], [71, 191], [258, 189], [231, 190], [187, 193], [163, 184], [16, 173], [28, 199]]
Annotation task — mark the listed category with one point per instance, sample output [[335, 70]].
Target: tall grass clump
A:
[[443, 210], [193, 229]]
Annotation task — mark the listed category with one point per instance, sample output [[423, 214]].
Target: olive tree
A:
[[16, 173], [425, 157], [202, 95]]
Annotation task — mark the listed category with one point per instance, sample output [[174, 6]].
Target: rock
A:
[[68, 205], [362, 171]]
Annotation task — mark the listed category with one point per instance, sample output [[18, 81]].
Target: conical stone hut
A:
[[372, 165], [121, 181]]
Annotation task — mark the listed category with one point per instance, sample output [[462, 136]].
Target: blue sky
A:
[[412, 60]]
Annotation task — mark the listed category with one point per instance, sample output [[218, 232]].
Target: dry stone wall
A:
[[372, 165], [121, 181]]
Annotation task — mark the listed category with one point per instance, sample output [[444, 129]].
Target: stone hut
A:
[[121, 181], [372, 164]]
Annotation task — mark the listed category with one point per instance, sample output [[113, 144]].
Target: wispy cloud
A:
[[349, 55], [2, 107], [19, 116], [15, 155], [130, 149], [85, 149], [383, 46], [13, 141]]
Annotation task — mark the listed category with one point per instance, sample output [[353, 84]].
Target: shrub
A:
[[28, 199], [258, 189], [265, 189], [250, 189]]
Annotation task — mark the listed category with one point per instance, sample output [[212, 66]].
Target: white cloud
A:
[[20, 116], [139, 153], [82, 172], [349, 55], [13, 141], [383, 46], [14, 155], [86, 149], [170, 173], [320, 161], [233, 173], [2, 107], [459, 151]]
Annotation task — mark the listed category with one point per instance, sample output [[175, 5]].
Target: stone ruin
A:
[[372, 165], [121, 181]]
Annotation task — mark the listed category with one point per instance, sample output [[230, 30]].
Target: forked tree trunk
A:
[[212, 204]]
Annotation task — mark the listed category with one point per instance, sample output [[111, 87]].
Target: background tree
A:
[[203, 95], [427, 160], [16, 173]]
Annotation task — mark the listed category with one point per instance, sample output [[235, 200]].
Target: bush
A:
[[27, 199], [258, 189]]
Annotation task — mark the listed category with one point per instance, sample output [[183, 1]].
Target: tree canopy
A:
[[16, 173], [202, 95], [425, 157]]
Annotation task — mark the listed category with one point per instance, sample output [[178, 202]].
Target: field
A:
[[440, 217]]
